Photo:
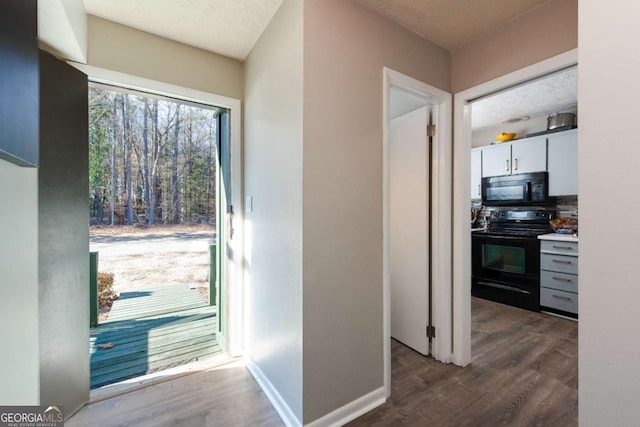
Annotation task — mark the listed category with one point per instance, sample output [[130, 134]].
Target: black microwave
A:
[[523, 189]]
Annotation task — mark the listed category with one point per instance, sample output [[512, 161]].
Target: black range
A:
[[506, 258]]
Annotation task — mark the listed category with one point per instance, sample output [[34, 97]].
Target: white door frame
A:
[[462, 191], [441, 215], [234, 342]]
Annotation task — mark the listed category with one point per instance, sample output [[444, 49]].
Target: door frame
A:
[[462, 190], [441, 185], [233, 342]]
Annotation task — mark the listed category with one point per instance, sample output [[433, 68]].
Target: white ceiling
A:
[[227, 27], [451, 23], [557, 92], [232, 27]]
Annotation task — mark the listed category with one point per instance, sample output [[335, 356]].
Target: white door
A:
[[408, 228]]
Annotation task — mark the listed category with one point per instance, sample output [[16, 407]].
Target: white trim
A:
[[279, 404], [462, 192], [441, 216], [234, 342], [351, 410]]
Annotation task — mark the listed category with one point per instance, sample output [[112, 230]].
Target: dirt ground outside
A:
[[153, 256]]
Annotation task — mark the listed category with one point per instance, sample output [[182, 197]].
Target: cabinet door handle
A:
[[561, 297], [561, 279], [478, 188], [507, 168], [515, 164], [559, 261], [569, 248]]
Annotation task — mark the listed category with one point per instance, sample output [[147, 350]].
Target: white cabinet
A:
[[559, 280], [529, 155], [563, 163], [522, 156], [476, 173], [496, 160]]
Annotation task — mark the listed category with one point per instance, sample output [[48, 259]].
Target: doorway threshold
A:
[[133, 384]]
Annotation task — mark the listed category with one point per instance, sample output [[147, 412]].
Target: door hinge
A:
[[431, 130], [431, 331]]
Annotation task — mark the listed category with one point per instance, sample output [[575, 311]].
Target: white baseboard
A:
[[281, 407], [352, 410]]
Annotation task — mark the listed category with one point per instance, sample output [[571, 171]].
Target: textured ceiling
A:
[[557, 92], [227, 27], [451, 23]]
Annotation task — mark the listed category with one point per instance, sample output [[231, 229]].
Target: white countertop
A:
[[558, 237]]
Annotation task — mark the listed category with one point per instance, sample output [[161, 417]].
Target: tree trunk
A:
[[175, 193], [127, 158], [148, 208]]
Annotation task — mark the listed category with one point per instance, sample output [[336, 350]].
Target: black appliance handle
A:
[[504, 287], [478, 235], [528, 196]]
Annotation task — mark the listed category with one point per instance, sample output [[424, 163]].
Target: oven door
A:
[[507, 269]]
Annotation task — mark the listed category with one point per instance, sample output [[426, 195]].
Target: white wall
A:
[[609, 341], [124, 49], [19, 357], [273, 178], [486, 136]]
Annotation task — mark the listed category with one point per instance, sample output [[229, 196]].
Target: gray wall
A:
[[609, 348], [548, 30], [345, 49], [63, 235], [273, 177], [19, 357]]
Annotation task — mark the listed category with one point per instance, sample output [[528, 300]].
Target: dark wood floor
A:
[[524, 373]]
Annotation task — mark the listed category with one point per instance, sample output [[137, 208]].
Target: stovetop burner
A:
[[520, 222]]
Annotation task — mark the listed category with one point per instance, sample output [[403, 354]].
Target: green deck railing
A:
[[93, 289], [213, 274]]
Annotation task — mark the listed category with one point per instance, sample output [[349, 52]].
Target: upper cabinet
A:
[[563, 163], [529, 155], [556, 153], [496, 160], [476, 173], [522, 156]]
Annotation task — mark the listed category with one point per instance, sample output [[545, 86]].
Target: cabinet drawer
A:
[[561, 263], [560, 281], [560, 300], [557, 247]]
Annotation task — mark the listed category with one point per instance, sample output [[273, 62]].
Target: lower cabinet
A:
[[559, 276]]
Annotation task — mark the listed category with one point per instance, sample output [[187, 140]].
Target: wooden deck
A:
[[150, 331]]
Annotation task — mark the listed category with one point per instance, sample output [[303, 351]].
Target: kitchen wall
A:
[[273, 178], [486, 136], [546, 31], [120, 48], [345, 48], [609, 348], [19, 358]]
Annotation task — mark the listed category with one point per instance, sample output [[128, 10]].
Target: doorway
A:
[[462, 192], [434, 241], [228, 168]]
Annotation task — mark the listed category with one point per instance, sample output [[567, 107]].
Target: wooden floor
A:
[[150, 331], [226, 396], [524, 373]]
